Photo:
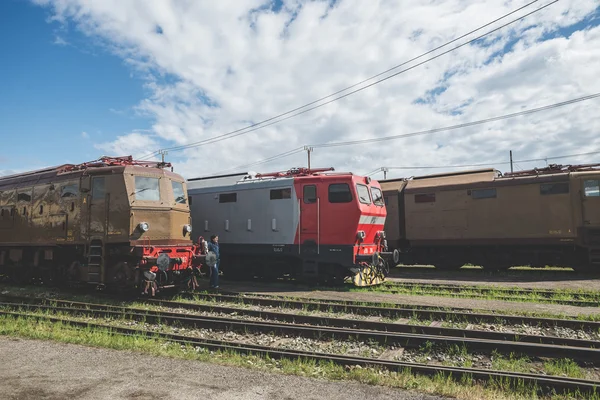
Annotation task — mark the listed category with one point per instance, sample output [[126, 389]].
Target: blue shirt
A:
[[214, 247]]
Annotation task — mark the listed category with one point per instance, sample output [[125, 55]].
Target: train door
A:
[[98, 208], [309, 214], [591, 203]]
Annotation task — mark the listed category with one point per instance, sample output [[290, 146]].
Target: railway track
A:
[[544, 383], [401, 311], [507, 293], [407, 336]]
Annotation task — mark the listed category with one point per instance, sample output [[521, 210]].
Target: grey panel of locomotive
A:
[[253, 218]]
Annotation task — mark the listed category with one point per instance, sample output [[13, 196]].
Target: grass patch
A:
[[466, 388], [558, 296]]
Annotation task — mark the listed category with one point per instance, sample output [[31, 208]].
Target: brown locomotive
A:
[[547, 216], [105, 222]]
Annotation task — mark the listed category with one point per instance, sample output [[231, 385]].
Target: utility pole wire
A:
[[463, 125], [431, 131], [261, 124]]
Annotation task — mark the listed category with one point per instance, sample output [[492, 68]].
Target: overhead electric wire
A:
[[264, 161], [463, 125], [431, 131], [380, 169], [262, 124]]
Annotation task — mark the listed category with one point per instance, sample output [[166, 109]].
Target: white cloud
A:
[[136, 144], [85, 135], [213, 67], [60, 41]]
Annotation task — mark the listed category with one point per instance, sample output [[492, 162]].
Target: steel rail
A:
[[335, 322], [407, 340], [402, 311], [488, 289], [432, 288], [544, 383], [379, 326]]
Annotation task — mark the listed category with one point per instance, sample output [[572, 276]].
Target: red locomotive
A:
[[312, 224]]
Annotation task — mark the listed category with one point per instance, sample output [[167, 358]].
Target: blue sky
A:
[[51, 93], [212, 67]]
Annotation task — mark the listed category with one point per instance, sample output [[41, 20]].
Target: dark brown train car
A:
[[100, 222], [548, 216]]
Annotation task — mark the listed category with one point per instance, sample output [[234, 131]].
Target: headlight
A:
[[187, 228], [144, 226]]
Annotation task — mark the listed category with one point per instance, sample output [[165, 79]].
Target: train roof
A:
[[236, 179], [447, 178], [454, 178], [481, 177], [49, 173]]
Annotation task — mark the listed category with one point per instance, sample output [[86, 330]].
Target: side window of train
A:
[[98, 190], [280, 194], [227, 197], [483, 193], [554, 188], [69, 191], [339, 193], [377, 196], [592, 188], [24, 196], [309, 193], [425, 198], [178, 193]]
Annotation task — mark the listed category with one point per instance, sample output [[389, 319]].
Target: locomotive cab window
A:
[[592, 188], [279, 194], [227, 197], [554, 188], [340, 193], [146, 188], [377, 196], [425, 198], [363, 194], [178, 193], [310, 194], [98, 191]]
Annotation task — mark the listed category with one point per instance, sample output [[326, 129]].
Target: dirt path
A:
[[33, 369]]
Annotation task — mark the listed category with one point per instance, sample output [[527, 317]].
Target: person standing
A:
[[214, 270]]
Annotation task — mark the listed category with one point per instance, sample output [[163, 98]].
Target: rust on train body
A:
[[546, 216], [105, 221]]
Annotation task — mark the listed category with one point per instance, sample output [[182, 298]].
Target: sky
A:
[[80, 79]]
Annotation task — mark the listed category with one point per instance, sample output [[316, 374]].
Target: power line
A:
[[464, 125], [261, 124], [483, 164], [431, 131], [264, 161]]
